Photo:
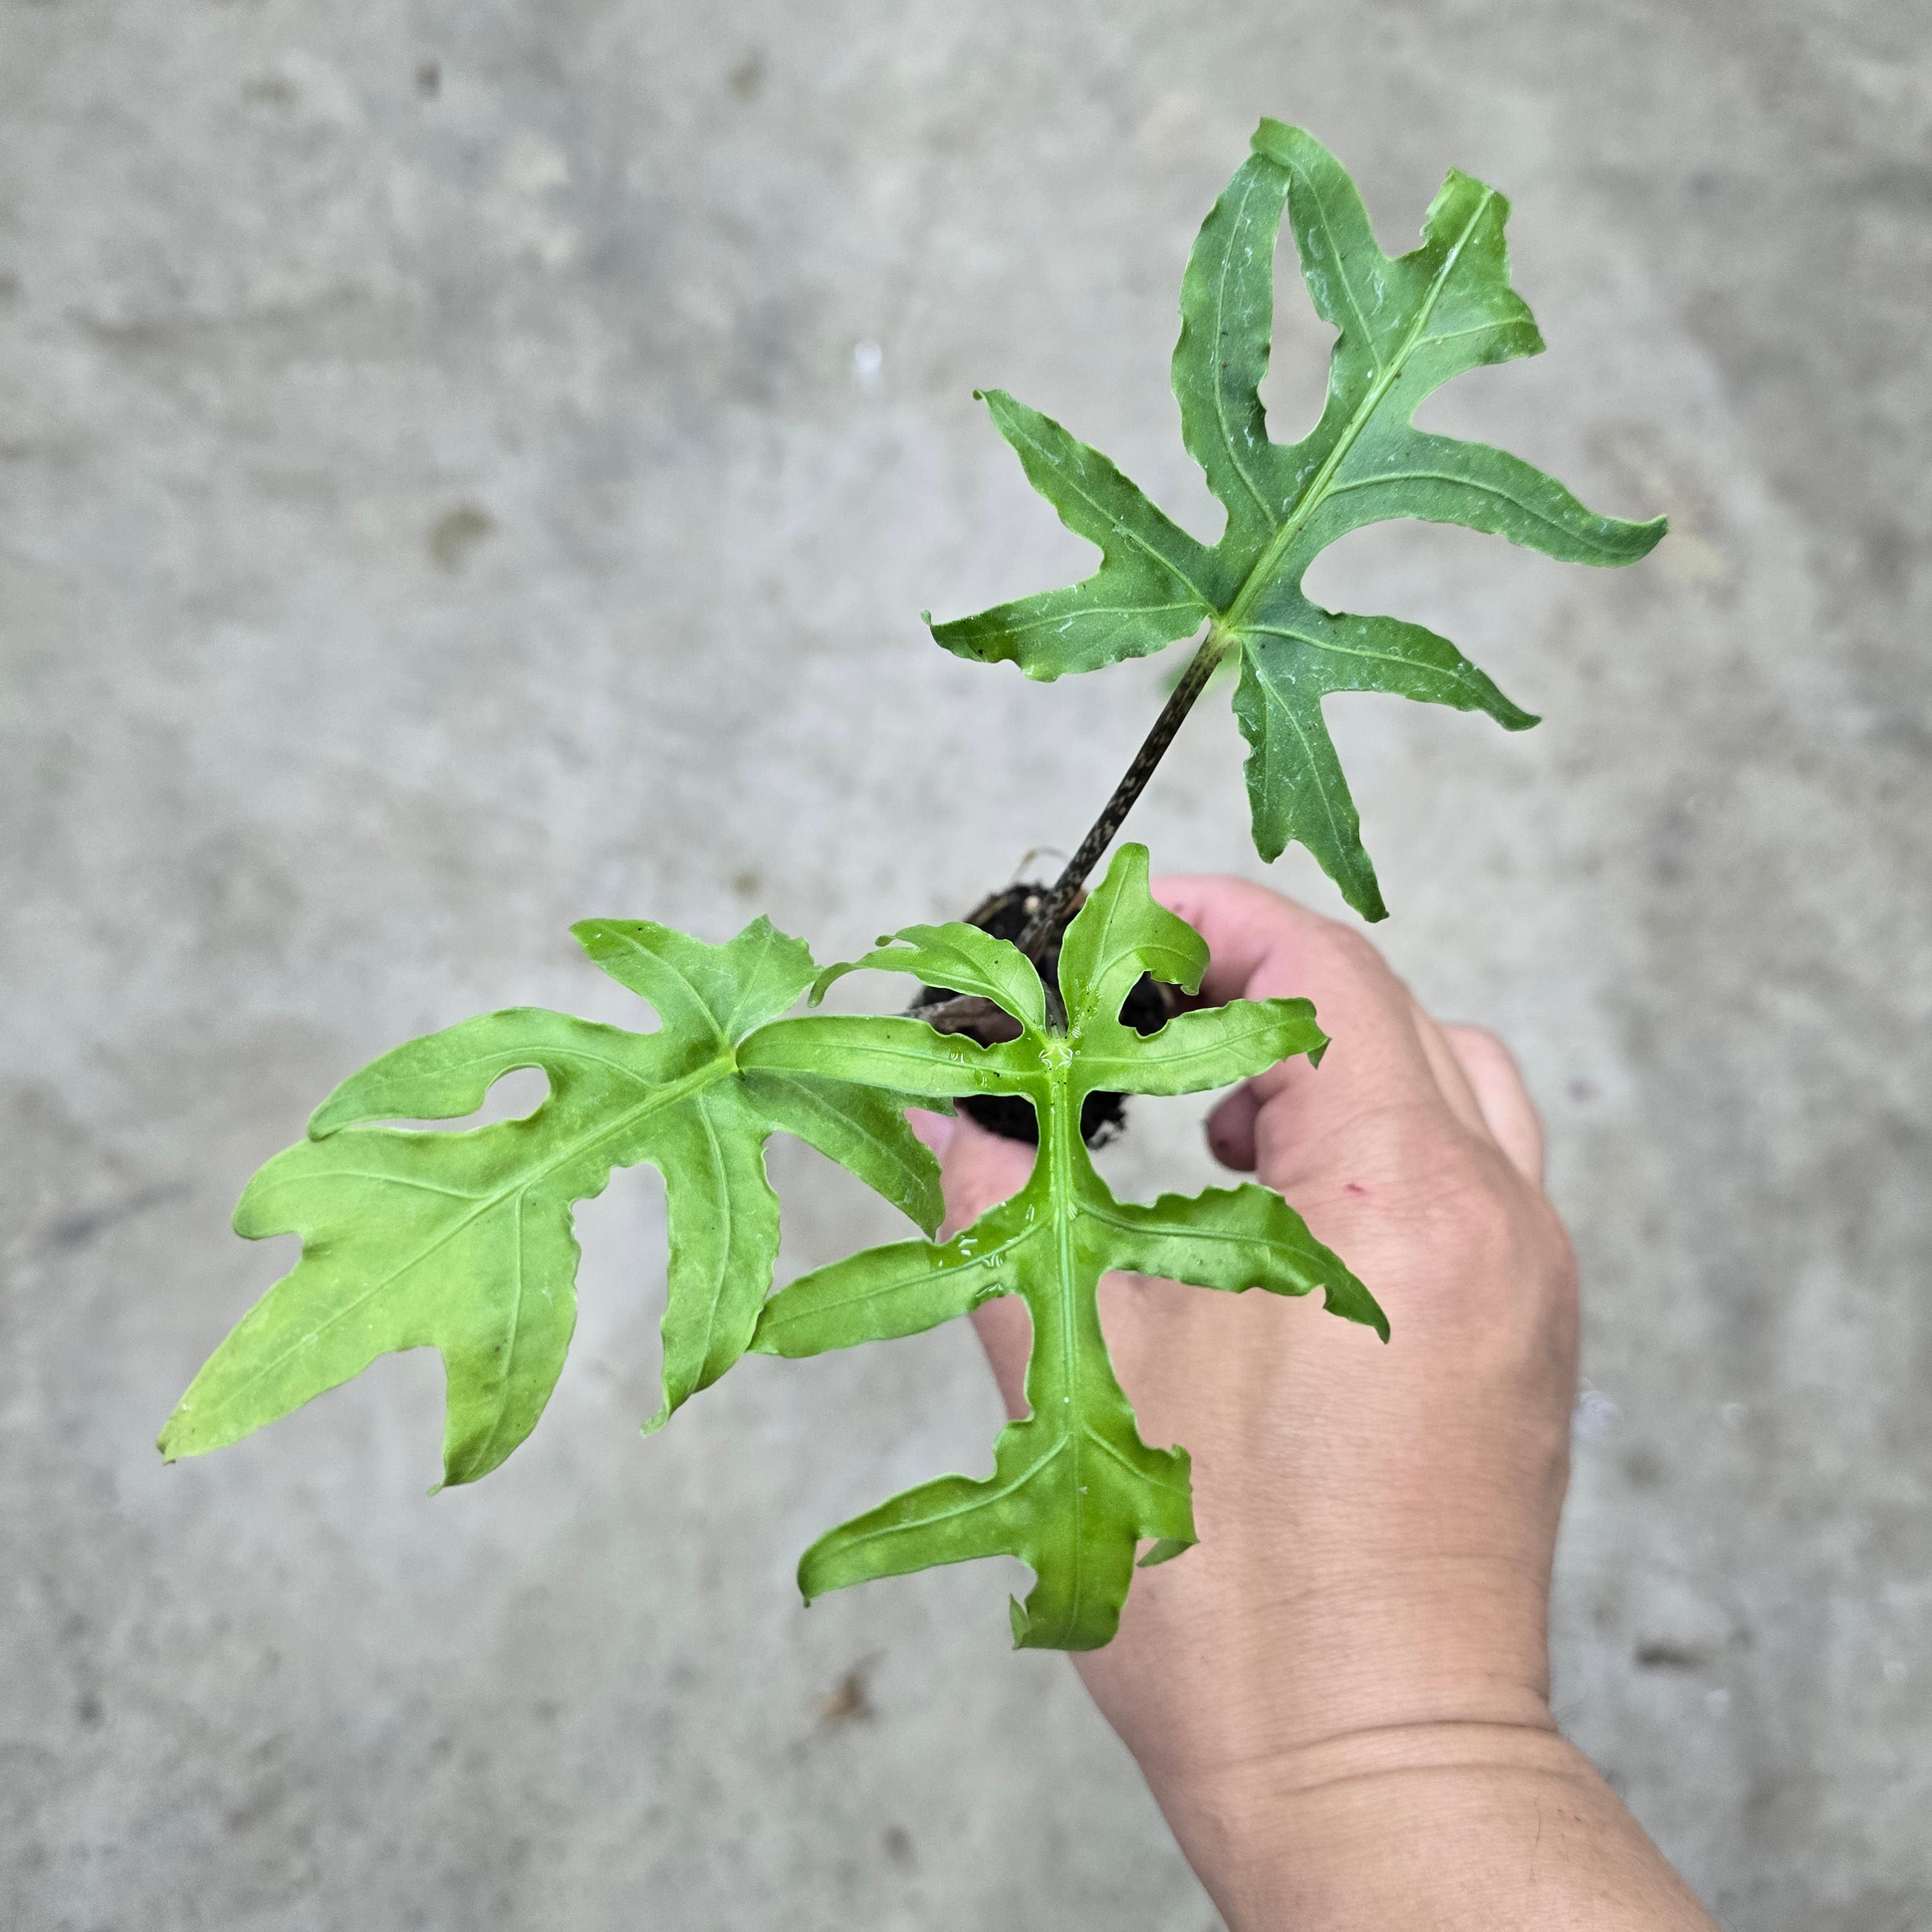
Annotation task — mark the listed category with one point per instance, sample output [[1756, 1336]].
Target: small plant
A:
[[462, 1242]]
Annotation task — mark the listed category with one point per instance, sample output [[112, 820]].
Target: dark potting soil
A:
[[1148, 1007]]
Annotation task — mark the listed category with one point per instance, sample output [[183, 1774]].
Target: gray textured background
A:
[[438, 499]]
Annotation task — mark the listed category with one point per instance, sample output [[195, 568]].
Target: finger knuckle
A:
[[1481, 1209], [1479, 1045], [1339, 951]]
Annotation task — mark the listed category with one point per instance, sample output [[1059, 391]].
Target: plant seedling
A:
[[462, 1241]]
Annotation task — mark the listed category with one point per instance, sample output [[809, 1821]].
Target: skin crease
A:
[[1339, 1698]]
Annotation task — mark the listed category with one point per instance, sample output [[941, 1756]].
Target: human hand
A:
[[1363, 1623]]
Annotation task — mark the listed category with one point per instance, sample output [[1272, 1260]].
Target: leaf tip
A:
[[174, 1441], [1165, 1551], [815, 993], [1022, 1622], [1275, 140], [469, 1463], [1362, 890], [1352, 1302]]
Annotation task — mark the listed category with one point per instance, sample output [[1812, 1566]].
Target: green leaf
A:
[[958, 956], [1165, 1551], [1155, 583], [1122, 932], [903, 1056], [463, 1242], [1406, 324], [1074, 1490]]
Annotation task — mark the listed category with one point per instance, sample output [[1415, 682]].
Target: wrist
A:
[[1457, 1823], [1225, 1677], [1366, 1716], [1307, 1839]]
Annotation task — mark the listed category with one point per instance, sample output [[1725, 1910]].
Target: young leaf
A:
[[1074, 1488], [463, 1242], [1405, 326], [961, 957]]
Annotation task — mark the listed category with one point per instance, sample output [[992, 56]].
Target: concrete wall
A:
[[442, 495]]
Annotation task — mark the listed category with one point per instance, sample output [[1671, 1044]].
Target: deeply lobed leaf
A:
[[463, 1242], [1405, 326], [1074, 1489]]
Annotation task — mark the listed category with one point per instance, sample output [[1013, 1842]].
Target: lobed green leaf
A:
[[1405, 326], [1074, 1490], [463, 1242]]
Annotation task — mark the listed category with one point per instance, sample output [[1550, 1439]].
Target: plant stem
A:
[[1133, 782]]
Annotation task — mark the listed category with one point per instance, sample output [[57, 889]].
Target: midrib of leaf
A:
[[974, 1504], [725, 1261], [914, 1056], [1348, 287], [747, 982], [797, 1082], [1114, 1455], [1133, 537], [679, 1090], [1309, 762], [516, 1327], [1501, 495], [1207, 1232], [1220, 394], [683, 979], [859, 1297], [507, 1061], [1311, 498], [1098, 1068], [1340, 650], [1101, 952], [1064, 1131], [1059, 620]]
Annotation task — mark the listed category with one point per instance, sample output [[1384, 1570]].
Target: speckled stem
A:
[[1134, 782]]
